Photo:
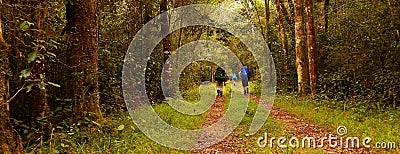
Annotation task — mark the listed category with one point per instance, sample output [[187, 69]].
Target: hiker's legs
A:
[[247, 90], [245, 84], [219, 88]]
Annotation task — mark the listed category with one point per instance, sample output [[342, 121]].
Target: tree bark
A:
[[283, 38], [267, 14], [301, 55], [312, 49], [9, 142], [289, 19], [38, 102], [83, 85], [291, 7], [323, 14], [285, 13], [258, 17], [164, 30], [326, 12]]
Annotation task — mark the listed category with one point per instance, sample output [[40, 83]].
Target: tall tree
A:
[[9, 142], [323, 15], [289, 20], [326, 9], [283, 38], [291, 7], [312, 49], [83, 85], [253, 3], [301, 54], [267, 10], [164, 30], [38, 99]]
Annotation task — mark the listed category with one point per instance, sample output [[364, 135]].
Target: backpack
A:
[[220, 75], [245, 72], [234, 77]]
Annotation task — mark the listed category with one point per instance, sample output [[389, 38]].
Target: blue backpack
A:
[[245, 72]]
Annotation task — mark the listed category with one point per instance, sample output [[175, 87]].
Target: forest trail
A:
[[299, 127], [228, 145], [304, 128]]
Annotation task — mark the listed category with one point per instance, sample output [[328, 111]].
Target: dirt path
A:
[[303, 128], [299, 127], [228, 145]]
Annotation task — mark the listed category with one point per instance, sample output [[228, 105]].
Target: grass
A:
[[108, 137], [118, 134], [273, 128], [381, 127]]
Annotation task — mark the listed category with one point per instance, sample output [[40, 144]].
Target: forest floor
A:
[[290, 117], [297, 126]]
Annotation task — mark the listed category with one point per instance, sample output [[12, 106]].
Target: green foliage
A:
[[360, 58], [359, 120], [25, 25], [360, 71]]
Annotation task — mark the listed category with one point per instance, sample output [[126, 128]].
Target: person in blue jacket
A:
[[234, 78], [245, 75]]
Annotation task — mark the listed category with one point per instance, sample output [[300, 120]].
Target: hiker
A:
[[234, 78], [245, 75], [221, 78]]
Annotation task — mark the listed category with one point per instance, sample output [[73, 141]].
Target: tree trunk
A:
[[312, 49], [37, 96], [301, 54], [323, 14], [83, 85], [164, 30], [285, 13], [267, 10], [326, 7], [291, 7], [290, 21], [284, 42], [9, 142], [258, 17]]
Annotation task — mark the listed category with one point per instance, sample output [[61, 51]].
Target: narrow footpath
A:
[[299, 127]]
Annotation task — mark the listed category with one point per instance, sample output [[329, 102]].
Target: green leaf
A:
[[121, 127], [70, 2], [32, 56], [96, 123], [28, 88], [25, 73], [51, 54], [54, 84], [55, 151], [41, 85], [25, 25]]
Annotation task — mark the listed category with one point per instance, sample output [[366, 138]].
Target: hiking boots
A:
[[246, 91], [219, 92]]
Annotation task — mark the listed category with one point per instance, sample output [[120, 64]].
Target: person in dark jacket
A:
[[221, 78]]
